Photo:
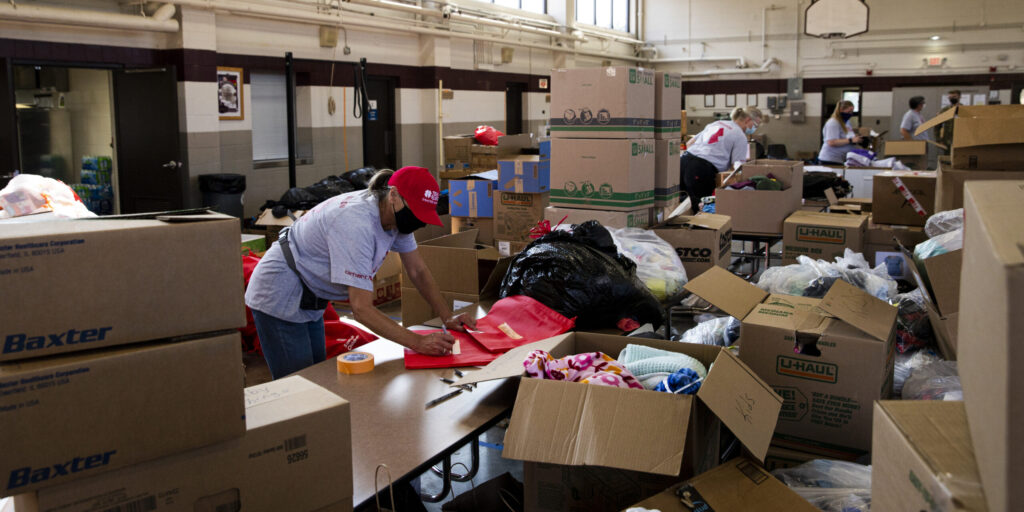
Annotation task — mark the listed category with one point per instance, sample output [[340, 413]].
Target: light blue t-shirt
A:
[[833, 130], [911, 120], [337, 244]]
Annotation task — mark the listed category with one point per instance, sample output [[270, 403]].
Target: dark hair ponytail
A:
[[378, 185]]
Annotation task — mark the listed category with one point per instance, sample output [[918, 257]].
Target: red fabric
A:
[[487, 135], [472, 354], [522, 316], [339, 337], [419, 189]]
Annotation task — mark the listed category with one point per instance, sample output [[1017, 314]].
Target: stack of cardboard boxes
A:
[[523, 190], [121, 384]]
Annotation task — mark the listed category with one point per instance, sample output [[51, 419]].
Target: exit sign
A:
[[936, 61], [542, 83]]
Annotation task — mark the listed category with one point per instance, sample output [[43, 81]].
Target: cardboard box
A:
[[457, 148], [71, 416], [739, 485], [829, 358], [515, 214], [508, 248], [863, 202], [483, 227], [880, 238], [297, 433], [762, 211], [992, 333], [822, 236], [430, 231], [524, 174], [949, 193], [387, 282], [485, 158], [634, 219], [602, 174], [666, 172], [544, 148], [267, 218], [682, 118], [701, 241], [602, 103], [453, 171], [472, 196], [460, 267], [560, 488], [912, 153], [940, 280], [984, 136], [922, 458], [631, 429], [668, 98], [890, 206], [86, 284]]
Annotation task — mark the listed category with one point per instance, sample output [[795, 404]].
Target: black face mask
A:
[[406, 221], [954, 101]]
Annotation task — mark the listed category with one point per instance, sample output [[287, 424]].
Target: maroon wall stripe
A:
[[866, 83]]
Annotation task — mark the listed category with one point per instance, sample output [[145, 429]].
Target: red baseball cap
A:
[[420, 191]]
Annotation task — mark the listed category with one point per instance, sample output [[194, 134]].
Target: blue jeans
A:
[[288, 346]]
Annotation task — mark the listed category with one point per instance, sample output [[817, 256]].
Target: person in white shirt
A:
[[838, 135], [715, 149], [912, 119]]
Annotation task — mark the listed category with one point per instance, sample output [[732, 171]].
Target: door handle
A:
[[172, 165]]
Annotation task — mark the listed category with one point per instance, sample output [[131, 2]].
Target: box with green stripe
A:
[[603, 103], [668, 100], [666, 172], [608, 174]]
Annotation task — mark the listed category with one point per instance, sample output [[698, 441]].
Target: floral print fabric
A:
[[589, 368]]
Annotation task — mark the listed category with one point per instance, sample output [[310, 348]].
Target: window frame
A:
[[631, 7], [543, 13]]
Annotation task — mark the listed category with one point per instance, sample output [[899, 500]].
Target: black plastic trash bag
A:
[[329, 187], [581, 274], [298, 199], [360, 178]]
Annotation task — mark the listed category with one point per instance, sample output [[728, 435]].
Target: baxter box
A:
[[483, 227], [524, 174], [922, 458], [515, 214], [984, 136], [577, 424], [668, 99], [472, 196], [297, 433], [829, 358], [761, 211], [701, 241], [822, 236], [71, 416], [602, 103], [890, 205], [992, 335], [666, 172], [602, 174], [949, 190], [634, 219], [85, 284]]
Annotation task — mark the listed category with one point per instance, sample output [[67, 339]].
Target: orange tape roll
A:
[[354, 363]]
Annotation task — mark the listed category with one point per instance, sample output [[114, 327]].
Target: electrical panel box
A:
[[795, 88], [797, 112]]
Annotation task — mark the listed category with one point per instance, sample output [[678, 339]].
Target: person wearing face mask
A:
[[332, 253], [912, 119], [715, 149], [838, 135], [944, 131]]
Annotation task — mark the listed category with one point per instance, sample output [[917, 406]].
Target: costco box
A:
[[633, 219], [762, 211], [515, 214], [485, 158], [72, 416], [297, 433], [483, 227], [984, 136], [630, 429], [949, 191], [701, 241], [457, 149], [472, 196], [85, 284], [387, 282], [890, 204], [666, 172], [602, 174], [828, 358], [668, 99], [524, 174], [992, 335], [922, 458], [822, 236], [738, 485], [602, 103]]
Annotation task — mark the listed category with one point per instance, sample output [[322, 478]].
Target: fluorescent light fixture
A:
[[935, 38]]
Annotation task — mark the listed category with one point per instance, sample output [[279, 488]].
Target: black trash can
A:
[[223, 192]]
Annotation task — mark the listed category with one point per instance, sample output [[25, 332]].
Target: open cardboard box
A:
[[701, 241], [576, 424], [761, 211], [941, 292], [984, 136], [845, 358]]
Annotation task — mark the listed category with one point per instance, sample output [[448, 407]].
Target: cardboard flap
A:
[[510, 364], [744, 402], [937, 120], [463, 240], [493, 285], [944, 276], [707, 221], [727, 291], [831, 196], [859, 309]]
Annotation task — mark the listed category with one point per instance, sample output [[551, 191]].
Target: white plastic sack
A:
[[657, 263], [813, 278], [27, 194], [944, 222]]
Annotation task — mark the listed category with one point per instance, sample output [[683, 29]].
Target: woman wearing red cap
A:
[[332, 253]]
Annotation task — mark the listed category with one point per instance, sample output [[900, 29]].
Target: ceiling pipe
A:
[[740, 61], [83, 18], [765, 67]]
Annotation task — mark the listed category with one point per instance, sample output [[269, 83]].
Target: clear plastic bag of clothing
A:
[[944, 222], [580, 274], [831, 485], [936, 381], [813, 278], [906, 363], [913, 330], [657, 263], [939, 245], [711, 330]]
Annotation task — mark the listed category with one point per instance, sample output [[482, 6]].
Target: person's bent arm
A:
[[906, 134], [420, 275], [435, 344]]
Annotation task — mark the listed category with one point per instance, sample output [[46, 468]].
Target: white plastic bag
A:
[[830, 485], [27, 194], [944, 222], [721, 331], [936, 381], [657, 264], [813, 278]]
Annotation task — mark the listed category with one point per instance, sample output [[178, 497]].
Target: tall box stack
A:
[[603, 148], [471, 204], [523, 188], [668, 99]]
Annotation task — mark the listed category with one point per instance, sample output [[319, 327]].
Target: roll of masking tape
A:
[[354, 363]]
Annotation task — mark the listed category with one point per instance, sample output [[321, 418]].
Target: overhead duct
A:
[[765, 67], [84, 18]]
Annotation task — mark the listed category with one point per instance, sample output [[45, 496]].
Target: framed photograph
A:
[[730, 100], [709, 101], [229, 93], [752, 100]]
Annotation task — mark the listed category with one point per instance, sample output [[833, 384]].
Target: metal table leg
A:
[[446, 483], [474, 464]]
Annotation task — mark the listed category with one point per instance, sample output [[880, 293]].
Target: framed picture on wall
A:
[[229, 93], [730, 100], [751, 100], [709, 101]]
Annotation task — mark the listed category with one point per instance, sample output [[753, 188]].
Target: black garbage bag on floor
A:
[[329, 187], [582, 275], [360, 178], [298, 199]]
